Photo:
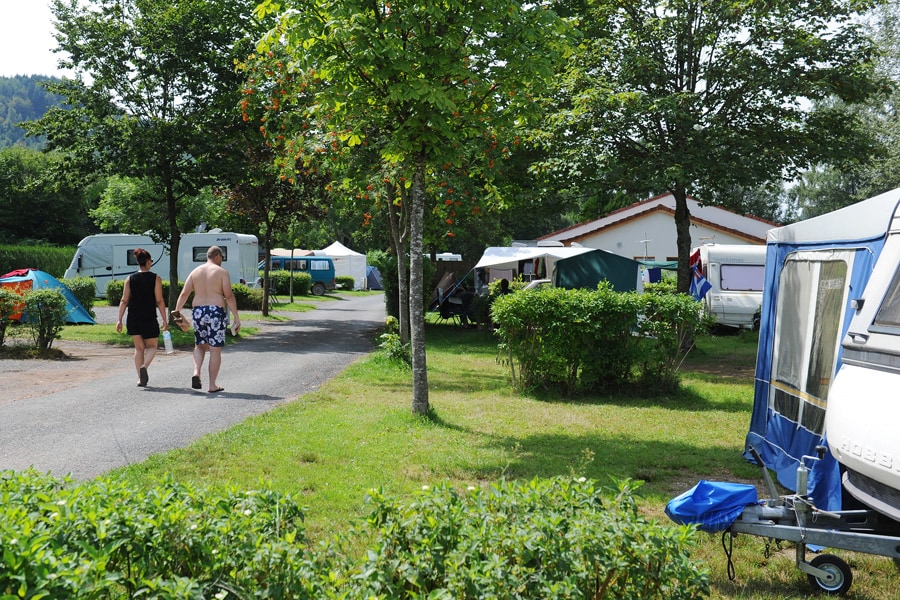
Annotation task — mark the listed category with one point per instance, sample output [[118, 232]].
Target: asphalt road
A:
[[86, 416]]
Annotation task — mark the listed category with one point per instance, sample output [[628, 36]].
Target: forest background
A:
[[42, 203]]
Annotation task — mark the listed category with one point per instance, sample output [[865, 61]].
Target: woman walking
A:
[[142, 296]]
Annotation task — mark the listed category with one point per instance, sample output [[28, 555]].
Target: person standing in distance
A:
[[142, 296], [211, 286]]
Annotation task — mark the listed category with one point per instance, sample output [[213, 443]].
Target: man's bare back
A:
[[211, 286]]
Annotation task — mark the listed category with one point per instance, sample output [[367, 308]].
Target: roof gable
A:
[[753, 229]]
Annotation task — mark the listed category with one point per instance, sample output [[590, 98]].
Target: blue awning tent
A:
[[373, 278], [25, 280], [814, 269]]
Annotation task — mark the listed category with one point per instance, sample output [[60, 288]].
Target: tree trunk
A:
[[174, 248], [399, 220], [683, 237], [266, 285], [416, 306]]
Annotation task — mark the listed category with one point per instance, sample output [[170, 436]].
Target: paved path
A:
[[86, 416]]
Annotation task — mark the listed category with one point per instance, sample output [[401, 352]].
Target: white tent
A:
[[347, 262], [501, 262]]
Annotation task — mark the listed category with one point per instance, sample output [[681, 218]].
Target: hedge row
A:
[[246, 298], [554, 538], [594, 341], [44, 258]]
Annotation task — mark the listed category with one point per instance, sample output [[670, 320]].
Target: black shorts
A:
[[142, 327]]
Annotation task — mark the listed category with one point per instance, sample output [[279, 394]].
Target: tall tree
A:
[[698, 96], [38, 202], [154, 93], [431, 77]]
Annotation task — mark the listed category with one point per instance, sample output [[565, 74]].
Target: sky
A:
[[26, 39]]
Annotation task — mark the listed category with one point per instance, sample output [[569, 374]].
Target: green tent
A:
[[588, 269]]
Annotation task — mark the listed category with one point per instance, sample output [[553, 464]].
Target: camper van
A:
[[320, 268], [110, 256], [736, 273]]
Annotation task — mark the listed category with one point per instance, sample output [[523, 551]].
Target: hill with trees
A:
[[23, 98]]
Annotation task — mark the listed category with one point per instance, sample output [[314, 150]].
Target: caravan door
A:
[[810, 314]]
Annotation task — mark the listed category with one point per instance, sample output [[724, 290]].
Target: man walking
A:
[[211, 286]]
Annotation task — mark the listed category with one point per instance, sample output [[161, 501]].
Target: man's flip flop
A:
[[218, 389], [144, 378], [195, 382]]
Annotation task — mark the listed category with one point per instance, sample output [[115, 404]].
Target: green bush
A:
[[105, 539], [46, 310], [45, 258], [541, 539], [247, 298], [10, 303], [85, 291], [666, 329], [345, 282], [280, 281], [557, 538], [593, 340], [114, 291]]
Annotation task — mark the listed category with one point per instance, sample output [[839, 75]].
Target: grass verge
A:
[[357, 433]]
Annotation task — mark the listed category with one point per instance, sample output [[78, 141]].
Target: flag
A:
[[699, 284]]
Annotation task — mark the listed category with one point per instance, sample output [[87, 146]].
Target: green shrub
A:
[[557, 538], [666, 328], [46, 310], [593, 340], [552, 538], [394, 350], [345, 282], [45, 258], [247, 298], [280, 281], [85, 291], [10, 304], [114, 291], [106, 539]]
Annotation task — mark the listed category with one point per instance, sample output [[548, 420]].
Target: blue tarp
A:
[[711, 505]]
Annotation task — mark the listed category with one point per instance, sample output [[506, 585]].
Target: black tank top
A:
[[143, 294]]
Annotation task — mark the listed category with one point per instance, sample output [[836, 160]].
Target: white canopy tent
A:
[[347, 262], [531, 262]]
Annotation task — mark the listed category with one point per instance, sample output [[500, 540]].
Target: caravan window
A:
[[888, 314], [742, 278], [199, 253], [319, 265], [808, 329], [130, 260]]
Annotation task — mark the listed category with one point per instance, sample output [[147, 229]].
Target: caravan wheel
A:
[[318, 289], [840, 575]]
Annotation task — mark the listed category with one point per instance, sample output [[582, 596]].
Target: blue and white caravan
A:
[[816, 271]]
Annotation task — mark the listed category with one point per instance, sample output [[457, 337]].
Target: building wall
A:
[[658, 228]]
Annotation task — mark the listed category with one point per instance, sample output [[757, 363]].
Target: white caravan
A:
[[736, 273], [863, 403], [110, 256]]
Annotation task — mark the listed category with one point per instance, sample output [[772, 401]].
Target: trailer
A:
[[736, 273], [795, 518], [825, 404], [110, 256]]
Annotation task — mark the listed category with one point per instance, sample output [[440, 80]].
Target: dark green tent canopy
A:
[[588, 269]]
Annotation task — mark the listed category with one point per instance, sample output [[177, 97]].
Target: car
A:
[[537, 283]]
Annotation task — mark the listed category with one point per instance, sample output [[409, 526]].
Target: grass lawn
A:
[[357, 433]]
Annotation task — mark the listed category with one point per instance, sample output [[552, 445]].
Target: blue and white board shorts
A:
[[209, 325]]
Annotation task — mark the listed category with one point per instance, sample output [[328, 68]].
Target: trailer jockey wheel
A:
[[841, 575]]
